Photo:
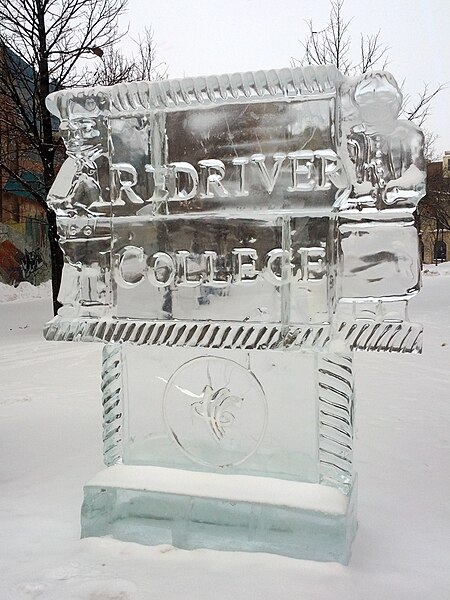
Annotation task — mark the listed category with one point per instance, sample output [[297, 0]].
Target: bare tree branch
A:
[[116, 67], [430, 152], [372, 52], [41, 44], [419, 109], [332, 45]]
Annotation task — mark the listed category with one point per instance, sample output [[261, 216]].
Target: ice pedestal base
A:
[[156, 505]]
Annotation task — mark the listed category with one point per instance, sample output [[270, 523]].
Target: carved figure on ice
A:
[[387, 153]]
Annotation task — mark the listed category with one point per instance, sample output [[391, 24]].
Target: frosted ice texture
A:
[[269, 198], [233, 239]]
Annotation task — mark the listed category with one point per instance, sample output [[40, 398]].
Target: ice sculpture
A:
[[232, 240]]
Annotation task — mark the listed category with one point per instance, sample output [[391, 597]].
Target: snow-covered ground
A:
[[50, 441]]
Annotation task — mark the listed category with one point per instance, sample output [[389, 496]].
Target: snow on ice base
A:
[[225, 512]]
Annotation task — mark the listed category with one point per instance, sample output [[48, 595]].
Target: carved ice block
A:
[[232, 240]]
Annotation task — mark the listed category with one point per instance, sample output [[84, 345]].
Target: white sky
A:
[[201, 37]]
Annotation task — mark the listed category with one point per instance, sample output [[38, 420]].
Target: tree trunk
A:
[[48, 152], [57, 258]]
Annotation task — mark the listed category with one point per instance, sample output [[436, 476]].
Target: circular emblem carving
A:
[[216, 411]]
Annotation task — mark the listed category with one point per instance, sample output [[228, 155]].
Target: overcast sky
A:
[[201, 37]]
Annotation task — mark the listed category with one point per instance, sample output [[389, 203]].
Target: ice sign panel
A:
[[232, 240], [247, 197]]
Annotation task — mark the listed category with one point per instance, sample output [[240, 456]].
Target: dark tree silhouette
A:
[[41, 45]]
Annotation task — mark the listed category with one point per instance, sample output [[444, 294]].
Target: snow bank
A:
[[25, 291], [440, 269], [51, 443]]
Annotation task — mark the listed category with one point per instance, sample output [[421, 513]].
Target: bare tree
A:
[[333, 45], [41, 44], [418, 109], [116, 67], [429, 146]]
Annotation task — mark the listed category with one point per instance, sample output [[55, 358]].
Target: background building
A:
[[24, 248], [433, 214]]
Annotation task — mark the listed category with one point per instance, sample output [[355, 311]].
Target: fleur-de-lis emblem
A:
[[215, 407]]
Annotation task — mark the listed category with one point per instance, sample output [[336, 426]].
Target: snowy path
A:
[[50, 442]]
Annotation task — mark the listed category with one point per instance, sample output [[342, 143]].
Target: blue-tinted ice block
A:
[[157, 505]]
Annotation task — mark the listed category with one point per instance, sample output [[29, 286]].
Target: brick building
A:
[[433, 214], [24, 249]]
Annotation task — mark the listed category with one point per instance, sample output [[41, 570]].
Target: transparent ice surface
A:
[[233, 239], [198, 411], [288, 518], [265, 198]]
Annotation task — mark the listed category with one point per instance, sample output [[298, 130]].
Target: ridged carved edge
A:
[[249, 336], [381, 336], [336, 393], [231, 87], [193, 91], [112, 404], [356, 335]]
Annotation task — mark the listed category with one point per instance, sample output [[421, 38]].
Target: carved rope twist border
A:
[[336, 394], [112, 404]]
